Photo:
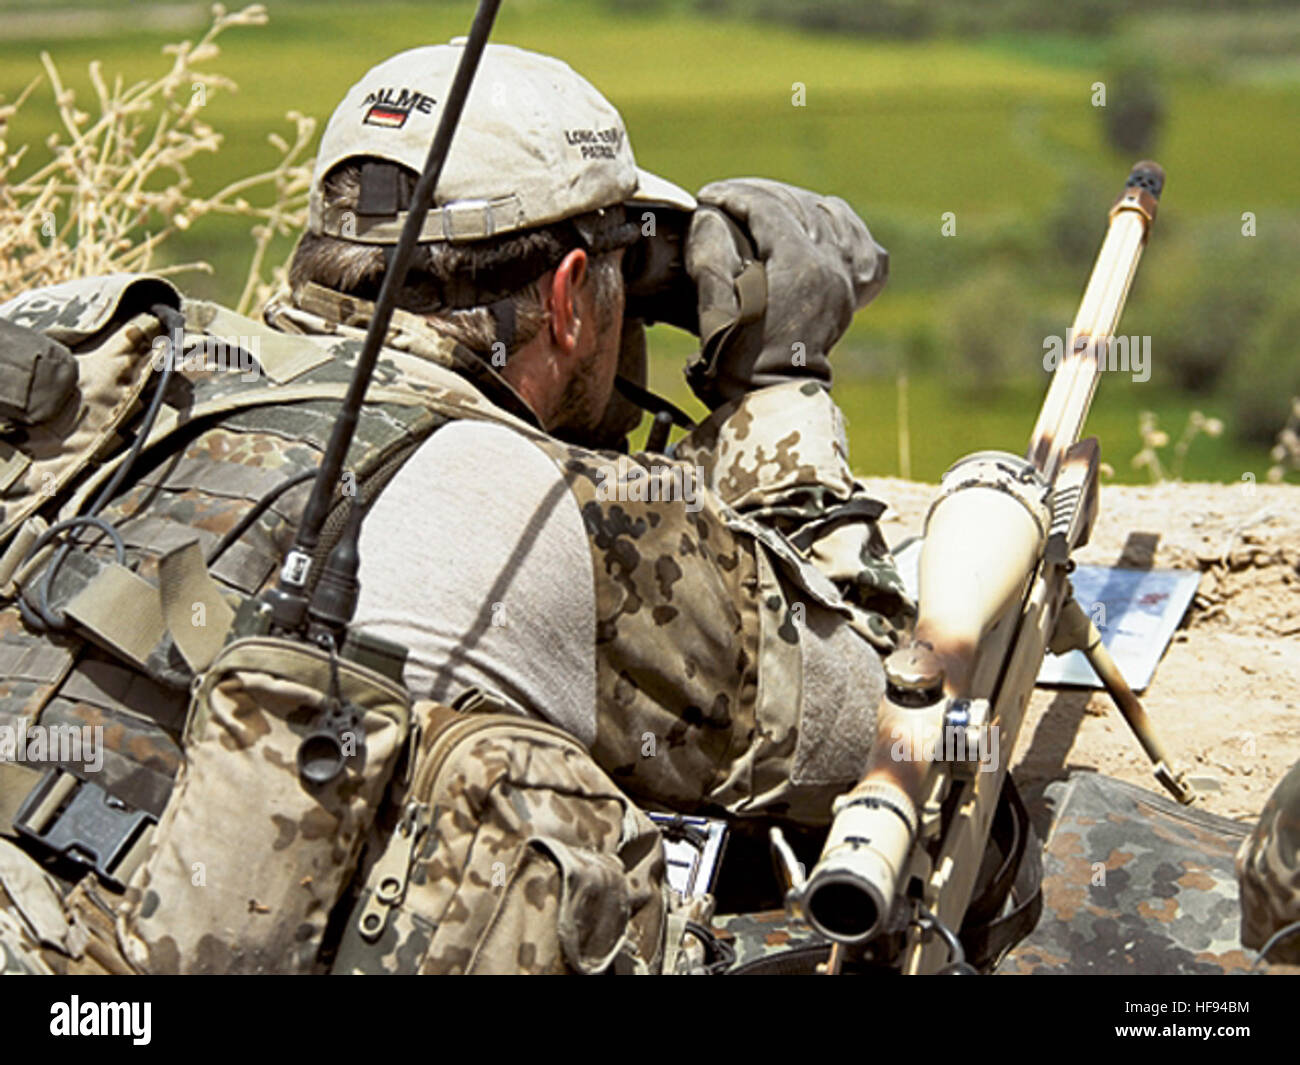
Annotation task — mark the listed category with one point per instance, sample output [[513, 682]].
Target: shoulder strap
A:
[[283, 358], [171, 421]]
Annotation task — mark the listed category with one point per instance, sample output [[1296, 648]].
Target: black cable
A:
[[679, 829], [1282, 934], [256, 511], [719, 956], [43, 617], [928, 921], [655, 404], [173, 323]]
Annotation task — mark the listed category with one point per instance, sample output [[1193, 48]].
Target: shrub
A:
[[1203, 296], [1135, 108], [987, 330], [1267, 375], [117, 184]]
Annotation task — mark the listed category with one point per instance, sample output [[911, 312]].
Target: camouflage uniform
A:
[[723, 586], [1268, 870], [719, 590]]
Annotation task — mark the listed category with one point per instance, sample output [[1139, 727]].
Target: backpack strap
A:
[[171, 421], [194, 611], [283, 358]]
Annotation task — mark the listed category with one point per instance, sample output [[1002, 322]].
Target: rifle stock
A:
[[910, 838]]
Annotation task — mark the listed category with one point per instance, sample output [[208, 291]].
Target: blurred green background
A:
[[910, 110]]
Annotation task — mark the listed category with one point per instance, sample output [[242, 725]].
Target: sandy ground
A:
[[1226, 696]]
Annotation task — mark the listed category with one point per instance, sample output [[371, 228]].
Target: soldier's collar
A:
[[411, 333]]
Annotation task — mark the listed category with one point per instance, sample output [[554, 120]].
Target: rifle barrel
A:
[[1064, 411], [987, 609]]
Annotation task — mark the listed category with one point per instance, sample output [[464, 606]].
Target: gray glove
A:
[[779, 272]]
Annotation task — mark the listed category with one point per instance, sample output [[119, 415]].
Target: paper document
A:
[[1136, 611]]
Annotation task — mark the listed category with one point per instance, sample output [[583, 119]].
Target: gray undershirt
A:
[[475, 558]]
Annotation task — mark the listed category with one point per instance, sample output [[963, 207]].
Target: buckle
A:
[[693, 848], [80, 821], [467, 220]]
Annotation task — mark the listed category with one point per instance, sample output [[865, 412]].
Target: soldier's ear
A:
[[562, 301]]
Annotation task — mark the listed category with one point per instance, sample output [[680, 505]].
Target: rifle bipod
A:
[[1075, 631]]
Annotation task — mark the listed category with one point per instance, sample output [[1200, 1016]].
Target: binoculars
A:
[[656, 284]]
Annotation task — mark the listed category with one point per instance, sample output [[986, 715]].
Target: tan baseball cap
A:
[[536, 143]]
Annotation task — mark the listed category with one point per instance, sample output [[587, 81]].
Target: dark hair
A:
[[454, 285]]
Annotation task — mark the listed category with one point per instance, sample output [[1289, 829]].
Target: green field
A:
[[994, 131]]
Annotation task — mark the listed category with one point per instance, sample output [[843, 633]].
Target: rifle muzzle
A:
[[850, 894]]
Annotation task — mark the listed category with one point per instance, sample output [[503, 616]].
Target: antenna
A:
[[288, 599]]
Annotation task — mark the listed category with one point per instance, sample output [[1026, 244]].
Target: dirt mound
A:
[[1226, 696]]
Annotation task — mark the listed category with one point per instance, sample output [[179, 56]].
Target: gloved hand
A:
[[779, 272]]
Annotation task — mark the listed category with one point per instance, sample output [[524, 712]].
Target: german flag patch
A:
[[391, 107], [380, 115]]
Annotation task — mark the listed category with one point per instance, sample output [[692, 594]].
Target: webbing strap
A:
[[28, 533], [655, 404], [718, 326], [193, 609], [282, 358], [168, 421], [13, 464], [135, 855], [457, 221], [674, 941], [16, 783], [121, 611], [988, 932]]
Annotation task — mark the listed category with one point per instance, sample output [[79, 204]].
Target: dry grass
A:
[[118, 184], [1155, 439], [1286, 452]]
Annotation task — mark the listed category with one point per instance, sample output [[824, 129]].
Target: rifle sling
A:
[[797, 961], [988, 933]]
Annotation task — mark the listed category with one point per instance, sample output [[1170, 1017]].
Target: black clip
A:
[[80, 821], [337, 736]]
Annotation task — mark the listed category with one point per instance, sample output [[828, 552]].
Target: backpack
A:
[[219, 856]]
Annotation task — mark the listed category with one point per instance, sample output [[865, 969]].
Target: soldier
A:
[[706, 624], [1268, 871]]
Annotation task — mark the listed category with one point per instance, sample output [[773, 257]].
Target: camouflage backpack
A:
[[209, 853]]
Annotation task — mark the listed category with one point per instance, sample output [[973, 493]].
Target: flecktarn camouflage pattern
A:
[[715, 587], [689, 569], [508, 832], [247, 860], [771, 937], [252, 412], [511, 853], [1134, 883], [708, 581], [1268, 869]]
